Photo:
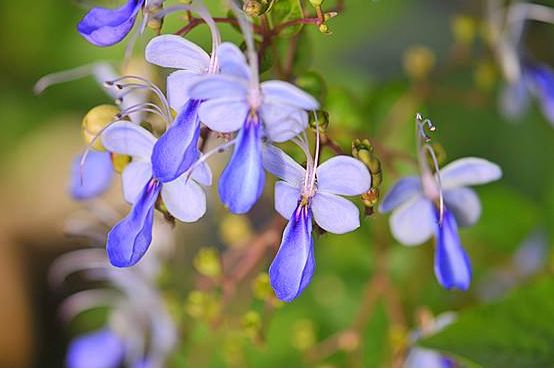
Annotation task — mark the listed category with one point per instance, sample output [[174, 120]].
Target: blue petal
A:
[[105, 27], [100, 349], [241, 183], [542, 79], [452, 266], [177, 148], [93, 178], [130, 238], [293, 266]]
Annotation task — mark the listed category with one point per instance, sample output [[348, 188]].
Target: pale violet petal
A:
[[414, 222], [127, 138], [202, 174], [464, 204], [282, 122], [343, 175], [134, 177], [184, 199], [402, 191], [219, 86], [334, 213], [281, 165], [172, 51], [223, 115], [469, 171], [284, 93], [232, 61], [286, 198], [178, 84]]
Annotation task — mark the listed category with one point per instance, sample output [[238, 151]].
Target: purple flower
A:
[[106, 27], [305, 194], [234, 101], [183, 197], [177, 148], [93, 178], [416, 214]]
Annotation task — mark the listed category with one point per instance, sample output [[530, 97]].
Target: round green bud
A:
[[316, 3], [319, 119], [255, 8], [95, 120]]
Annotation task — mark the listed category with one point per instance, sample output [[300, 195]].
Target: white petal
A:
[[171, 51], [127, 138], [282, 122], [184, 199], [464, 204], [334, 213], [281, 165], [178, 84], [219, 86], [403, 190], [469, 171], [286, 199], [223, 115], [134, 177], [284, 93], [343, 175], [414, 222], [232, 61]]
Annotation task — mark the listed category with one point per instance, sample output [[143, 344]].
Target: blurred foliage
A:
[[384, 61]]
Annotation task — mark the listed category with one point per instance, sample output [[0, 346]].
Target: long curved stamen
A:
[[317, 150], [216, 150], [246, 28], [422, 141], [86, 300], [64, 76], [151, 86]]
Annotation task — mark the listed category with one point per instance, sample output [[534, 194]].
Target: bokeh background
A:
[[366, 64]]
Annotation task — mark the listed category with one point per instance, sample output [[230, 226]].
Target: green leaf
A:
[[285, 11], [514, 332]]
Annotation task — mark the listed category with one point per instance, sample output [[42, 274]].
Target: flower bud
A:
[[207, 262], [202, 305], [464, 29], [255, 8], [235, 230], [320, 119], [120, 162], [303, 335], [316, 3], [95, 120], [418, 62], [323, 28], [261, 287], [363, 151], [251, 324]]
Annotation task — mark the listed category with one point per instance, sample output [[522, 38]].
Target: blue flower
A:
[[106, 27], [177, 148], [416, 214], [303, 195], [537, 80], [99, 349], [235, 102], [183, 197], [93, 178], [419, 357]]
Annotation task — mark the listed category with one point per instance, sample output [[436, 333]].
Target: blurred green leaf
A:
[[514, 332], [285, 11]]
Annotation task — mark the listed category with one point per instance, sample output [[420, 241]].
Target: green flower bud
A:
[[320, 119], [235, 230], [323, 28], [419, 62], [201, 305], [255, 8], [303, 335], [316, 3], [363, 151], [207, 262], [95, 120]]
